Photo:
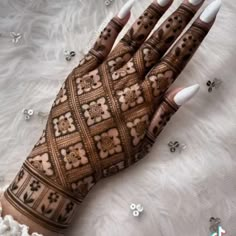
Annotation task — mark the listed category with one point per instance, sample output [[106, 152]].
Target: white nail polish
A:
[[195, 2], [211, 11], [125, 9], [186, 94], [163, 3]]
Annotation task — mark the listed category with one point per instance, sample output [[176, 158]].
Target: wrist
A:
[[44, 202]]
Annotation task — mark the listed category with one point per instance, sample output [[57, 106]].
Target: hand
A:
[[109, 110]]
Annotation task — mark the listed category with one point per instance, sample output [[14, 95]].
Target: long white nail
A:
[[211, 11], [163, 3], [186, 94], [125, 9], [195, 2]]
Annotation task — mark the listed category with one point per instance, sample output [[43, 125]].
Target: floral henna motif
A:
[[118, 62], [130, 97], [147, 20], [106, 33], [63, 124], [149, 57], [62, 218], [138, 129], [161, 82], [74, 156], [42, 163], [108, 143], [88, 82], [53, 198], [55, 208], [127, 69], [96, 111], [14, 185], [34, 187], [83, 186]]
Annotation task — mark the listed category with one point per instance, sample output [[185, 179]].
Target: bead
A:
[[107, 2], [72, 53], [135, 213], [25, 111], [30, 112], [132, 206], [27, 117], [139, 207]]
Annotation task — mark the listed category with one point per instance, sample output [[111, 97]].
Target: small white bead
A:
[[107, 2], [135, 213], [27, 117], [132, 206], [30, 112], [25, 111], [139, 207]]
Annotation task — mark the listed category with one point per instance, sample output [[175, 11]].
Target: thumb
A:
[[171, 102]]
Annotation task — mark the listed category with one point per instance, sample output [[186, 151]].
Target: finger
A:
[[171, 102], [163, 75], [104, 43], [160, 41], [137, 34]]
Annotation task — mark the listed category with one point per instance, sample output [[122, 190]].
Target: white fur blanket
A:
[[179, 191]]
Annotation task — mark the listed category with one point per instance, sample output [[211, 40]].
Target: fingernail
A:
[[125, 9], [186, 94], [163, 3], [209, 14], [195, 2]]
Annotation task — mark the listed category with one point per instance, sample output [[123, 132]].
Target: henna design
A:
[[137, 34], [88, 82], [124, 71], [159, 42], [52, 198], [98, 124], [62, 218], [106, 39], [34, 187], [143, 26], [14, 185], [184, 49], [130, 97], [138, 129], [160, 81]]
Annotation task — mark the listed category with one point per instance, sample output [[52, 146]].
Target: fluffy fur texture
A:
[[179, 191]]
